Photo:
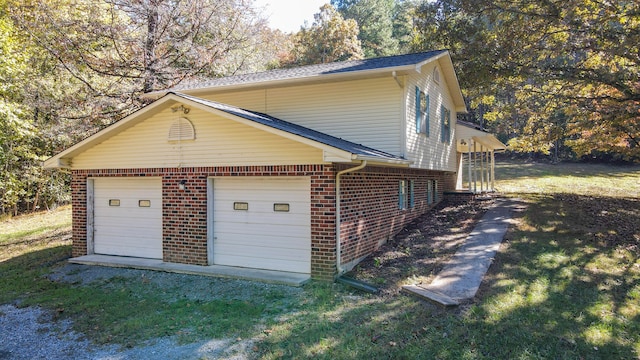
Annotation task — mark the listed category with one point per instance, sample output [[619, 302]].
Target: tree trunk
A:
[[150, 47]]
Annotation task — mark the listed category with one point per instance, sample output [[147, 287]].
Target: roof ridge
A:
[[338, 67]]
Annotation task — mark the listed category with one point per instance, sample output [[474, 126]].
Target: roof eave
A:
[[383, 161], [399, 70]]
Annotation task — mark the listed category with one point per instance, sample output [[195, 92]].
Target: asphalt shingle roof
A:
[[315, 70], [295, 129]]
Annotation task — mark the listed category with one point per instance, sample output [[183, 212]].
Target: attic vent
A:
[[436, 76], [181, 129]]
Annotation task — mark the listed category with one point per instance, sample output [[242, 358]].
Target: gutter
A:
[[338, 242]]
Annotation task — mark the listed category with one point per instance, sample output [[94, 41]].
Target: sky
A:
[[289, 15]]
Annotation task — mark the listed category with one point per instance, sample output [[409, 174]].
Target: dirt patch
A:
[[420, 250]]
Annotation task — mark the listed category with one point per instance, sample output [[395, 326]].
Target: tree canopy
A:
[[330, 38], [547, 72], [556, 77]]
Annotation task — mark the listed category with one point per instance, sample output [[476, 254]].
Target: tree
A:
[[578, 56], [375, 20], [24, 185], [120, 49], [330, 38], [70, 67]]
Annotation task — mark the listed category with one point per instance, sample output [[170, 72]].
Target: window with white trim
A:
[[403, 195], [422, 112], [412, 197], [445, 119]]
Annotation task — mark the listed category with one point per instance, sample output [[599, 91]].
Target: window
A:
[[432, 191], [435, 190], [445, 115], [436, 76], [422, 112], [412, 201], [403, 200]]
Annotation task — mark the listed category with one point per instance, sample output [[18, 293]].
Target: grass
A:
[[565, 285]]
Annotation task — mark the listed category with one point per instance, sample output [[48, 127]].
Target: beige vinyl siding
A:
[[429, 152], [367, 112], [218, 142]]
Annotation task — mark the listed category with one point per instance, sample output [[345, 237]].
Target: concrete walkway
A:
[[461, 277]]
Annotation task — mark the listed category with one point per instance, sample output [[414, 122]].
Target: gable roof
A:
[[388, 65], [343, 149]]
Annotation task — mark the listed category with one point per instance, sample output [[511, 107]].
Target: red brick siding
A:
[[184, 212], [370, 211], [369, 206], [79, 213]]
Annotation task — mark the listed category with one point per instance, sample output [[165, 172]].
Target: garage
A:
[[127, 217], [263, 223]]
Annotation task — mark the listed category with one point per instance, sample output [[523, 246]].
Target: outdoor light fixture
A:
[[182, 108], [182, 184]]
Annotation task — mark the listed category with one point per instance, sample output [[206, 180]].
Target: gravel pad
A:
[[31, 332]]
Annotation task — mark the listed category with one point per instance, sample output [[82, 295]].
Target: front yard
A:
[[565, 284]]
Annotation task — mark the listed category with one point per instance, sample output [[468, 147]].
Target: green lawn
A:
[[565, 285]]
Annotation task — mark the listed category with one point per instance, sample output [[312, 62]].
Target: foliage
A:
[[375, 22], [559, 71], [565, 285], [24, 185], [70, 68], [330, 38]]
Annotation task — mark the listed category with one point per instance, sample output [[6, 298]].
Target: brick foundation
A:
[[370, 213]]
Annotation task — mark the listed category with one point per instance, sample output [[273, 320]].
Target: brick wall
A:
[[370, 212], [184, 212]]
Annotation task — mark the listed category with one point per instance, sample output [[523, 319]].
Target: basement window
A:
[[403, 195], [181, 129]]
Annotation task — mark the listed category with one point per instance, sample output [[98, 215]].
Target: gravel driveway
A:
[[31, 333]]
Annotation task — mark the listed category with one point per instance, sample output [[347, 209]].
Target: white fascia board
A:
[[311, 79]]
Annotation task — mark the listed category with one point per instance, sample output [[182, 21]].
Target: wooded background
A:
[[556, 78]]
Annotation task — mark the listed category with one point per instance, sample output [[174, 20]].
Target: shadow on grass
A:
[[565, 285]]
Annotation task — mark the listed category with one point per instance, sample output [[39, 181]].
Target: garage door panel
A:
[[260, 218], [128, 229], [260, 237], [125, 233], [269, 253], [288, 242], [229, 229], [250, 262]]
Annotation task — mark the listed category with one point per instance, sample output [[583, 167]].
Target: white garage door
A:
[[128, 217], [263, 223]]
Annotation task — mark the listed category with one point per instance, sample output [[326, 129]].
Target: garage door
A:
[[128, 217], [262, 222]]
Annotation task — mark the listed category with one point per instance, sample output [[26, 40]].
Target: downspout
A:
[[338, 245]]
